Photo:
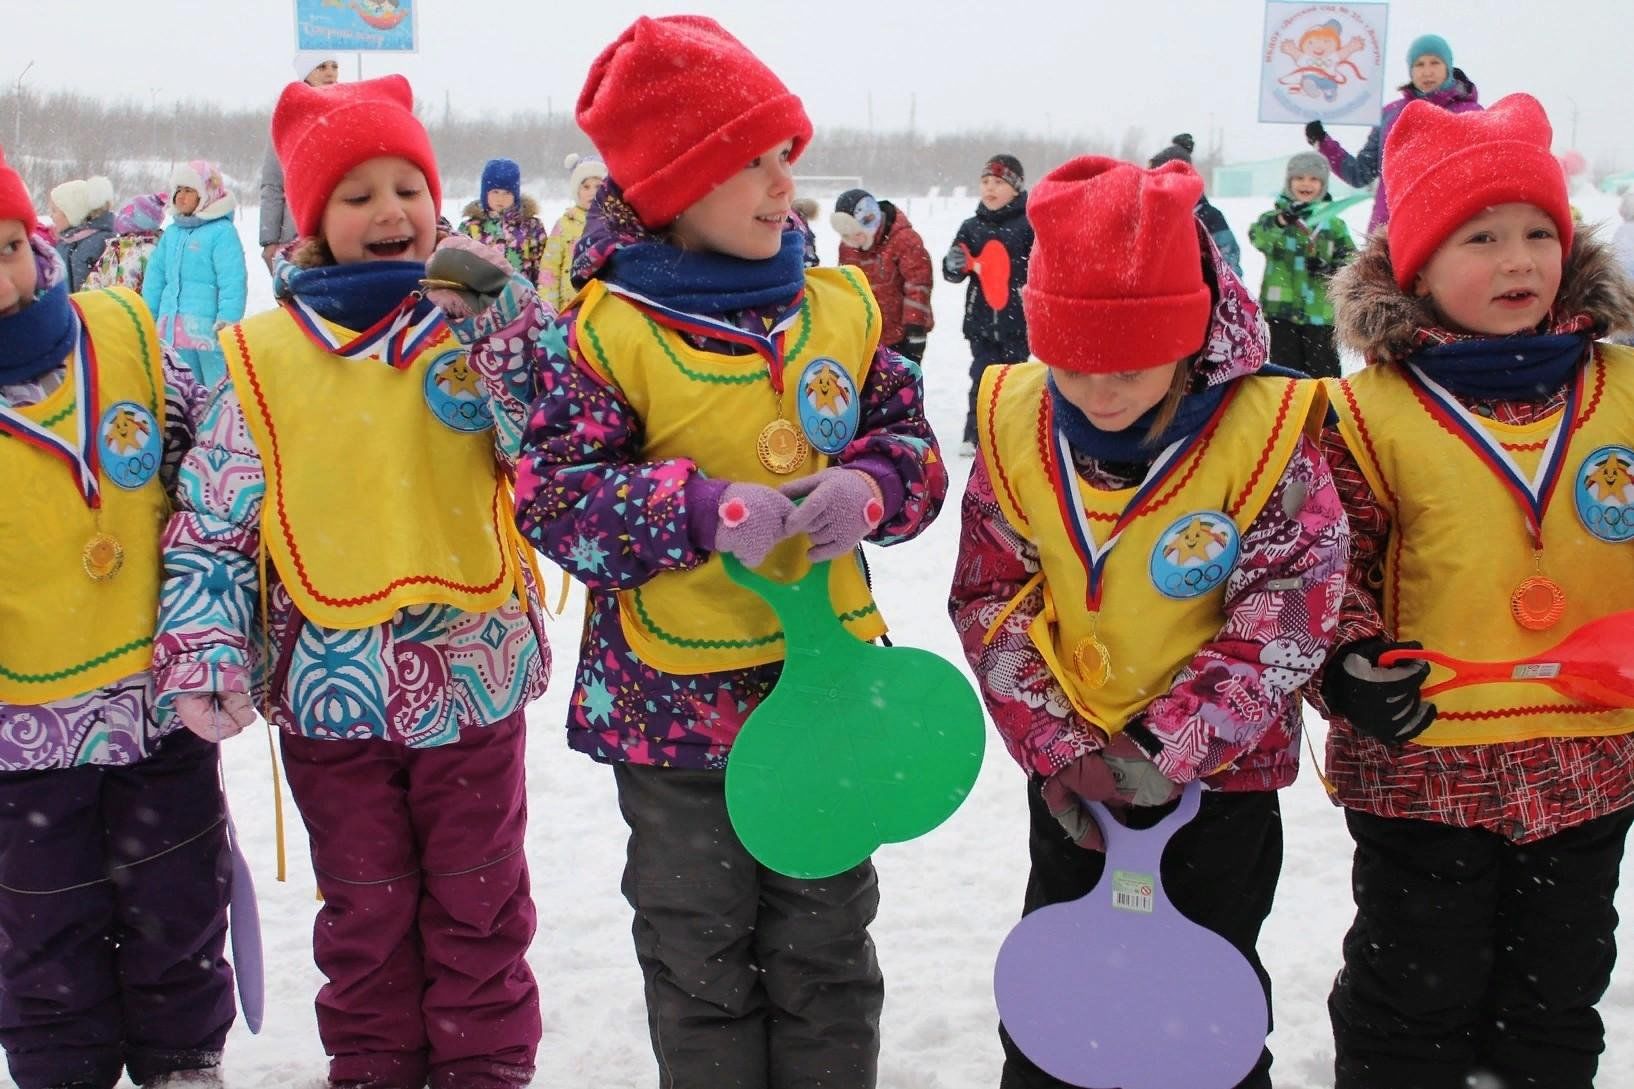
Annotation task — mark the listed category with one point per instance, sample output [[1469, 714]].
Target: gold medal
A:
[[102, 557], [781, 447], [1538, 603], [1093, 661]]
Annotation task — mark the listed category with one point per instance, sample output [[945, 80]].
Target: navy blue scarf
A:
[[709, 283], [37, 338], [1518, 368], [360, 294], [1131, 446]]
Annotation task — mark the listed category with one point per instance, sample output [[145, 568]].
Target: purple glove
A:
[[753, 518], [481, 271], [841, 507]]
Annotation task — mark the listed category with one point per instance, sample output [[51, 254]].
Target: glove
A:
[[841, 507], [1382, 702], [914, 334], [1119, 776], [1138, 779], [1315, 133], [215, 716], [957, 261], [480, 271], [753, 518]]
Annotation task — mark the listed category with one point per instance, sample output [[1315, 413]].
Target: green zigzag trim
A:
[[63, 674], [729, 644]]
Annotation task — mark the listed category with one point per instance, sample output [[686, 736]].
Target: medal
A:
[[102, 557], [781, 447], [1537, 603], [1093, 661]]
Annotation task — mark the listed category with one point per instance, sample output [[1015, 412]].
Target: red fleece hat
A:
[[320, 133], [1442, 169], [676, 106], [1116, 277], [15, 203]]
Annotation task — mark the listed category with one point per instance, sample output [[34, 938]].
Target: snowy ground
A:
[[948, 900]]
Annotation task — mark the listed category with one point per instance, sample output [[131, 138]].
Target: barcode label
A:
[[1535, 671], [1132, 891]]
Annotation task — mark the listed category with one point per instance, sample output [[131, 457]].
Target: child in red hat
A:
[[704, 381], [1483, 458], [1151, 553], [347, 508], [114, 863]]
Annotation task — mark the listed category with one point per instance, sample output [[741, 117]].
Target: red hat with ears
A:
[[1443, 169], [1115, 282], [15, 203], [676, 106], [321, 133]]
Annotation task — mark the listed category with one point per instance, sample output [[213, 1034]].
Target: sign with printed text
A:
[[1322, 62], [356, 26]]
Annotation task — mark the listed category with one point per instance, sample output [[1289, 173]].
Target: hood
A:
[[1377, 319], [1238, 342]]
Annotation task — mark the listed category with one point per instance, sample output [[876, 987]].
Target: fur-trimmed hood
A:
[[529, 208], [1378, 319]]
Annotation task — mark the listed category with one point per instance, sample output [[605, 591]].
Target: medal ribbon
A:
[[80, 455], [1532, 495], [1064, 480], [768, 347], [396, 338]]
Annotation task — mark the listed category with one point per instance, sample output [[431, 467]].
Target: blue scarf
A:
[[709, 283], [1131, 446], [358, 295], [37, 338], [1518, 368]]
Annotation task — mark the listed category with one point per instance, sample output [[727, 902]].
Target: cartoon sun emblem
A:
[[1607, 480], [127, 432], [458, 379], [827, 391], [1192, 542]]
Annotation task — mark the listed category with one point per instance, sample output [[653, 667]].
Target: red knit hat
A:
[[320, 133], [676, 106], [1442, 169], [15, 203], [1116, 277]]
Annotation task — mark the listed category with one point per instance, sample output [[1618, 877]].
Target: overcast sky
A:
[[1061, 66]]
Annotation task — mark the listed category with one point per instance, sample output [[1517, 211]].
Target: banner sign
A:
[[356, 26], [1322, 62]]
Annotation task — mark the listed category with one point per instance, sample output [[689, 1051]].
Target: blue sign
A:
[[356, 26]]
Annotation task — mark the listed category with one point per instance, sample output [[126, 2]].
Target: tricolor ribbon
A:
[[1533, 493], [396, 338], [80, 455], [769, 347]]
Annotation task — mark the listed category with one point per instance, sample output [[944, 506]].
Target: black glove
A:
[[1315, 133], [1382, 702]]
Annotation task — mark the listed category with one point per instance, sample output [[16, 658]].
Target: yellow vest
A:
[[382, 488], [1459, 544], [63, 633], [710, 408], [1164, 581]]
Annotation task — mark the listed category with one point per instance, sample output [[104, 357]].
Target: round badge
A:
[[1194, 555], [454, 392], [829, 406], [130, 444], [1604, 491]]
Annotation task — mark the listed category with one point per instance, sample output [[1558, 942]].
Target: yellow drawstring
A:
[[1004, 614], [266, 714]]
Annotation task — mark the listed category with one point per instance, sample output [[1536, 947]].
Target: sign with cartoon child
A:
[[1322, 62], [356, 26]]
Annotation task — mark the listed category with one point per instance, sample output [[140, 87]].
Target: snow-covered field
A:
[[948, 900]]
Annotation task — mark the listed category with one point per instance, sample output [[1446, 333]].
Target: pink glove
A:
[[841, 507], [481, 271], [1086, 779], [215, 716], [753, 518]]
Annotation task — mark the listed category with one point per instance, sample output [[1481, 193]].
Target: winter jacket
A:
[[277, 221], [1009, 225], [1219, 230], [81, 247], [1523, 790], [517, 230], [556, 268], [125, 262], [586, 499], [1232, 717], [1367, 165], [195, 277], [898, 269], [1298, 261]]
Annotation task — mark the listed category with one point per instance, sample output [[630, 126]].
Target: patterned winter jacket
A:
[[1236, 706], [1011, 227], [125, 262], [581, 494], [417, 679], [1523, 790], [81, 247], [556, 270], [1298, 261], [117, 724], [517, 230], [898, 269]]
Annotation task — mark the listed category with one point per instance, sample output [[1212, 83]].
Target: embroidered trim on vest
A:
[[64, 674]]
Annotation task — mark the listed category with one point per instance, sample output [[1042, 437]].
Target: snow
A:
[[948, 899]]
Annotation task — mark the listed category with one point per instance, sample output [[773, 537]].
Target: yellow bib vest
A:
[[1459, 543], [382, 488], [711, 408], [1164, 582], [63, 632]]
